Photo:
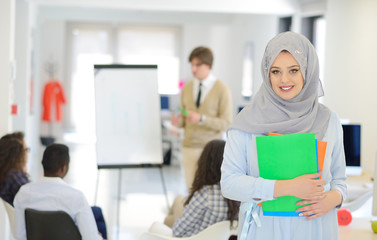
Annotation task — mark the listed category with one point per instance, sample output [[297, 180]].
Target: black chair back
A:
[[48, 225]]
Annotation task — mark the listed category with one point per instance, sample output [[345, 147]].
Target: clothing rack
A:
[[51, 69]]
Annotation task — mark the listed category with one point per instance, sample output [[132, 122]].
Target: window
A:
[[314, 28], [247, 72], [91, 44], [152, 45], [319, 38], [285, 24]]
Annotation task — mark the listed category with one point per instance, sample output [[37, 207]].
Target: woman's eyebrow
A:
[[294, 66]]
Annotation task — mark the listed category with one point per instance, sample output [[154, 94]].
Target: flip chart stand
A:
[[120, 167]]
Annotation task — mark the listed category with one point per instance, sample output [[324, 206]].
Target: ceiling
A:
[[214, 6]]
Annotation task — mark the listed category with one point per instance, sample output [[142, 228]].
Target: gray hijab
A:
[[267, 112]]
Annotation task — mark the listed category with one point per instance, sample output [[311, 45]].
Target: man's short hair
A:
[[54, 157], [203, 54]]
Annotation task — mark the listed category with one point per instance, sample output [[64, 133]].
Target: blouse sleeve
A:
[[338, 167], [192, 215], [19, 180], [237, 182]]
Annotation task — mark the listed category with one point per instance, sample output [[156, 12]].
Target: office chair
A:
[[10, 212], [47, 225]]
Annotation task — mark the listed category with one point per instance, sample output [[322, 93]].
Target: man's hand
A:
[[193, 117]]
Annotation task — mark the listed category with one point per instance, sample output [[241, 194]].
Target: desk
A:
[[358, 185], [360, 227]]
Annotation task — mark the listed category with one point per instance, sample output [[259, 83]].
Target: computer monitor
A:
[[352, 148], [164, 102]]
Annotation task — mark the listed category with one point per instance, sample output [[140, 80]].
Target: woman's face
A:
[[285, 76]]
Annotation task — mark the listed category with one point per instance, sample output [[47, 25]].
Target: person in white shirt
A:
[[51, 193]]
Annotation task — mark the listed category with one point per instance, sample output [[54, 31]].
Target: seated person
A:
[[13, 172], [13, 158], [51, 193], [205, 204]]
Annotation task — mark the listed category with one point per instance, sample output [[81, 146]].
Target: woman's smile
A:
[[286, 88]]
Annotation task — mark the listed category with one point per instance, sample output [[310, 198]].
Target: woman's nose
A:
[[284, 78]]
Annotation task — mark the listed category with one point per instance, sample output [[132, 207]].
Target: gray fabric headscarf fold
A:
[[267, 112]]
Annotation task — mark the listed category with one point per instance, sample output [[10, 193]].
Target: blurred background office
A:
[[60, 40]]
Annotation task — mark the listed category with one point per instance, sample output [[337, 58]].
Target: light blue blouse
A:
[[240, 181]]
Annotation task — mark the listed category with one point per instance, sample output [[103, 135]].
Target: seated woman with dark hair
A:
[[13, 158], [13, 173], [205, 204]]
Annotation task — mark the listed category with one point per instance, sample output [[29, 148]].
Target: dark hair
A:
[[203, 54], [209, 173], [17, 135], [12, 155], [54, 157]]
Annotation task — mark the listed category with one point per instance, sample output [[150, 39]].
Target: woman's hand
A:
[[307, 186], [319, 207]]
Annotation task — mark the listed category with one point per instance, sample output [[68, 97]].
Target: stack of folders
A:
[[283, 157]]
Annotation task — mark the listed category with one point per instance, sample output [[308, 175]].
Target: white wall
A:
[[350, 68], [7, 19], [225, 34], [350, 32], [258, 29], [22, 55], [25, 81]]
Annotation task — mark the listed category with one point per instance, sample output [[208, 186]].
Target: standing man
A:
[[206, 110]]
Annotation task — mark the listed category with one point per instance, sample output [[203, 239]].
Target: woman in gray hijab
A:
[[286, 103]]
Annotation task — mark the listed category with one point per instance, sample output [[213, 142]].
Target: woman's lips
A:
[[286, 88]]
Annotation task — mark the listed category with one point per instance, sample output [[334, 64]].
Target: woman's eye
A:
[[294, 70], [274, 71]]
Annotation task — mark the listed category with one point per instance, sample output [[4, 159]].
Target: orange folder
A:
[[321, 148], [321, 145]]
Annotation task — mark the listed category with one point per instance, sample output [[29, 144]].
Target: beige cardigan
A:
[[217, 109]]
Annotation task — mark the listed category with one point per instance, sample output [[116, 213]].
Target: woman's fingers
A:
[[312, 208], [315, 175]]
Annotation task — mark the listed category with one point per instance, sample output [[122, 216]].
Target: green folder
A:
[[285, 157]]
